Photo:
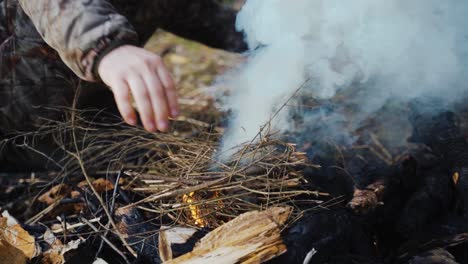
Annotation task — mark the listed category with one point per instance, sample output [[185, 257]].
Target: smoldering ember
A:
[[327, 131]]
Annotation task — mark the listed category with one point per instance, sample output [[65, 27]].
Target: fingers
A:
[[170, 90], [135, 72], [159, 101], [123, 100], [143, 102], [154, 100]]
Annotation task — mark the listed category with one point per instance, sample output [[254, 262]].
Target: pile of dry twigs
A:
[[177, 176]]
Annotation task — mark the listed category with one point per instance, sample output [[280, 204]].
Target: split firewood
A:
[[253, 237], [367, 200], [174, 236]]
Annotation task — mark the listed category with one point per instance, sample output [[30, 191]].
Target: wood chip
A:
[[169, 236]]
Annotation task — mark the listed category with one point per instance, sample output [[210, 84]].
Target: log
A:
[[253, 237]]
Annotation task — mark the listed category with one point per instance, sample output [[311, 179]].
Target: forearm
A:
[[79, 30], [205, 21]]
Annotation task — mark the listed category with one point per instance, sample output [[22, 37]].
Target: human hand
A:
[[133, 72]]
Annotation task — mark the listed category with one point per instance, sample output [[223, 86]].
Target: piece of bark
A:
[[367, 200], [253, 237]]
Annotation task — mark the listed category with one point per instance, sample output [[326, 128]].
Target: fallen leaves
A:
[[56, 196], [16, 244], [55, 193], [56, 254], [10, 254], [101, 185], [61, 191]]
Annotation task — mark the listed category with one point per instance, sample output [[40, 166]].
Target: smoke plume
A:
[[395, 50]]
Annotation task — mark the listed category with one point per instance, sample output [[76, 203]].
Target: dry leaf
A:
[[101, 185], [19, 238], [11, 255], [56, 254], [55, 193], [53, 257]]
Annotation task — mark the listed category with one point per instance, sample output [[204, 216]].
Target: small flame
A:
[[456, 178], [195, 211], [199, 212]]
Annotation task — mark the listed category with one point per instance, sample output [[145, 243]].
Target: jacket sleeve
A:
[[81, 31], [205, 21]]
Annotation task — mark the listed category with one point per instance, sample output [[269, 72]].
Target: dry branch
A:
[[163, 168]]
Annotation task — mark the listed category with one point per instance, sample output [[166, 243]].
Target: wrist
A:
[[108, 48]]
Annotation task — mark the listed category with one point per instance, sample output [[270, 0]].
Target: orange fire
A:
[[199, 212], [456, 178]]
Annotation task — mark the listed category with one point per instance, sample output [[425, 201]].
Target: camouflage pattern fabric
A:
[[80, 30], [31, 73], [38, 38], [48, 47]]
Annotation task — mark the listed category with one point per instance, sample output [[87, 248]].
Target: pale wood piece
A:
[[172, 235], [253, 237]]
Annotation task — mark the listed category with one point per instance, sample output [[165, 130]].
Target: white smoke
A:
[[408, 48]]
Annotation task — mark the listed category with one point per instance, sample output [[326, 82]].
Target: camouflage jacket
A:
[[81, 31]]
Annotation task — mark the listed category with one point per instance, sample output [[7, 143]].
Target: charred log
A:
[[141, 235], [431, 201], [335, 235]]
